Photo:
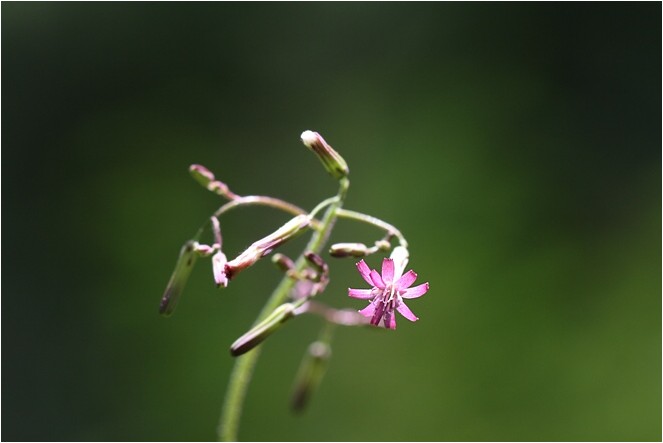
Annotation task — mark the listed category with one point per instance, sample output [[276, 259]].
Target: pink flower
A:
[[388, 292]]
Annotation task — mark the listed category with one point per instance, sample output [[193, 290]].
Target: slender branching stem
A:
[[244, 365], [258, 200], [369, 219]]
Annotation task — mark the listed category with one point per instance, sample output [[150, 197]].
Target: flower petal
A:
[[400, 257], [406, 280], [365, 272], [377, 315], [219, 261], [368, 310], [416, 291], [363, 294], [405, 312], [377, 280], [390, 320], [388, 270]]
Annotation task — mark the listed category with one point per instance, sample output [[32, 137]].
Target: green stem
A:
[[244, 365], [258, 200], [261, 200], [369, 219]]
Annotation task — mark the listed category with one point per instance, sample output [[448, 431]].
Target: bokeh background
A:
[[517, 146]]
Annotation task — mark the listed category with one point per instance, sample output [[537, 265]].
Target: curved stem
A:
[[369, 219], [260, 200], [322, 205], [244, 365], [234, 401]]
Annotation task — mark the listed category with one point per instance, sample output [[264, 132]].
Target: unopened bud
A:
[[383, 245], [348, 250], [262, 330], [219, 269], [203, 250], [309, 274], [202, 175], [331, 160], [205, 177], [178, 279], [322, 274], [317, 262], [283, 262], [221, 189], [265, 245], [312, 368]]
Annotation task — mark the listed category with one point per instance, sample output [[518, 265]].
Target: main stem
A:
[[244, 365]]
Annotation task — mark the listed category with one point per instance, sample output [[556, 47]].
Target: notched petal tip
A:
[[377, 280], [364, 271], [416, 291], [406, 280], [406, 312]]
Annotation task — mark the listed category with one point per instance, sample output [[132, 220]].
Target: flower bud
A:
[[265, 245], [348, 250], [312, 368], [321, 273], [201, 174], [205, 177], [203, 250], [221, 189], [383, 245], [317, 262], [283, 262], [178, 279], [331, 160], [219, 269], [262, 330]]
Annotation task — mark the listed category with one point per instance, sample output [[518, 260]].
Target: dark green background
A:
[[517, 146]]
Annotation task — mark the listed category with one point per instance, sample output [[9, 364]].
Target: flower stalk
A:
[[245, 364], [304, 280]]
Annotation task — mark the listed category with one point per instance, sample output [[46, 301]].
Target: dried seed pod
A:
[[262, 330], [178, 278]]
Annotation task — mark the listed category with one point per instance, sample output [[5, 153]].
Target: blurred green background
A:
[[517, 146]]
